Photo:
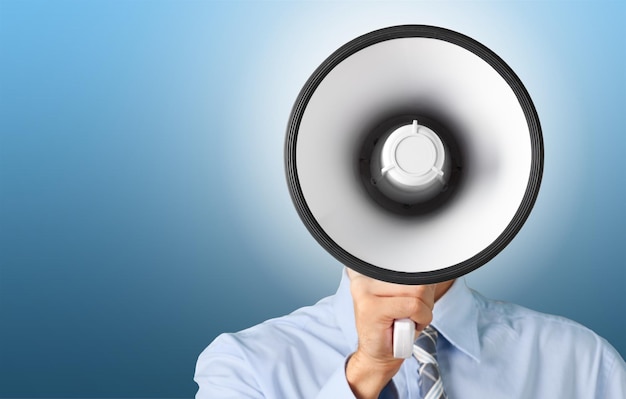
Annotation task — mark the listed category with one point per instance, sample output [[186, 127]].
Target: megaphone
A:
[[413, 155]]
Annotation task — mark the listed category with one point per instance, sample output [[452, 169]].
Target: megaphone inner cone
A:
[[410, 164]]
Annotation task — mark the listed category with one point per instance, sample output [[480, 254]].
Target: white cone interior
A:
[[420, 72]]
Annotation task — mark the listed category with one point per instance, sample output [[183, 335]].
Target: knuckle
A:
[[417, 310], [412, 306]]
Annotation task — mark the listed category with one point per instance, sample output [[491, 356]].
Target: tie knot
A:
[[425, 346]]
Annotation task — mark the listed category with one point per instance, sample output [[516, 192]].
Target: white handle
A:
[[403, 337]]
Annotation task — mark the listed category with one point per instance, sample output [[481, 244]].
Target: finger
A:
[[384, 289], [384, 311]]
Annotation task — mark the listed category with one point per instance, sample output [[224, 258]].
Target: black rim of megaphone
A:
[[534, 181]]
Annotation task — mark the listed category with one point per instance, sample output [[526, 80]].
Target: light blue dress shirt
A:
[[486, 349]]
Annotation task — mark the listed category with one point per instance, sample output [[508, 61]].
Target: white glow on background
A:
[[280, 71], [143, 202], [281, 68], [537, 49]]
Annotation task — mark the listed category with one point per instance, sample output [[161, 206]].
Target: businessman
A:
[[341, 347]]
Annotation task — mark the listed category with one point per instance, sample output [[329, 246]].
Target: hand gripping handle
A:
[[403, 338]]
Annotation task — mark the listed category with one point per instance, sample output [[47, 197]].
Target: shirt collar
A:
[[455, 316]]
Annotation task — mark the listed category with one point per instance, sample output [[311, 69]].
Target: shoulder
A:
[[286, 332], [299, 349], [520, 321], [549, 341]]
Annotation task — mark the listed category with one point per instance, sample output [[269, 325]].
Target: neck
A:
[[442, 288]]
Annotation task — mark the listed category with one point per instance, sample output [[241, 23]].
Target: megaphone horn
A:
[[414, 154]]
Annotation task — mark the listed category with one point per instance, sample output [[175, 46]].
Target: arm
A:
[[222, 372], [376, 305], [615, 382]]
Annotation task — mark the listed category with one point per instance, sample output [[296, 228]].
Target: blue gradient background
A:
[[143, 207]]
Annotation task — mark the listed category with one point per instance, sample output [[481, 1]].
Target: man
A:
[[342, 348]]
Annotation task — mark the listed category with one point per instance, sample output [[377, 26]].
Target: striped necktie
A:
[[425, 351]]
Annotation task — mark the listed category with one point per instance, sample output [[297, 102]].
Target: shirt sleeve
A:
[[337, 387], [615, 380], [223, 373]]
